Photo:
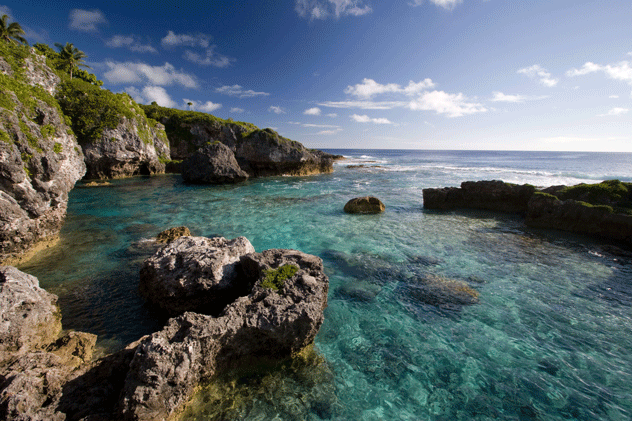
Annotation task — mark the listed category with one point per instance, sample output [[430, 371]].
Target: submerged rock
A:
[[195, 274], [169, 364], [441, 292], [214, 163], [365, 205]]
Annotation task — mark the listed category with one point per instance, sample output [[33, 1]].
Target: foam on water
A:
[[550, 337]]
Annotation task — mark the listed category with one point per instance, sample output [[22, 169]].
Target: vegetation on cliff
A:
[[611, 193]]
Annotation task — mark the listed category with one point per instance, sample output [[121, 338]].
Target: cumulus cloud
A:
[[541, 74], [131, 42], [619, 71], [276, 109], [186, 40], [209, 58], [312, 111], [332, 115], [501, 97], [453, 105], [207, 107], [150, 94], [446, 4], [323, 9], [616, 111], [237, 110], [86, 20], [136, 73], [367, 119], [238, 91], [369, 88]]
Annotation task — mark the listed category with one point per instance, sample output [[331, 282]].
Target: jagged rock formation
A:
[[365, 205], [258, 152], [212, 164], [169, 364], [40, 160]]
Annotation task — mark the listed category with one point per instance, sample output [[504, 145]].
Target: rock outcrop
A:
[[195, 274], [213, 164], [267, 321], [365, 205], [492, 195], [40, 160]]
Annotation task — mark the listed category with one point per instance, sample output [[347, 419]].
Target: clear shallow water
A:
[[550, 339]]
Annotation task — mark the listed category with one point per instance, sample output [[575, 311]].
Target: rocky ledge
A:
[[603, 209]]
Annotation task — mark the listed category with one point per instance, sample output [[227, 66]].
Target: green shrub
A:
[[275, 278], [48, 130], [610, 193], [57, 148]]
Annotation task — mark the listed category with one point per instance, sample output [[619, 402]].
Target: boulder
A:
[[365, 205], [171, 234], [492, 195], [214, 163], [169, 364], [194, 274], [441, 292], [29, 317]]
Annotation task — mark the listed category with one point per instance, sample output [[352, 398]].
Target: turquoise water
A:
[[550, 339]]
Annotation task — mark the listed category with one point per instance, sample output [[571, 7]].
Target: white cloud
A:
[[616, 111], [619, 71], [323, 9], [329, 132], [446, 4], [86, 20], [276, 109], [369, 88], [150, 94], [237, 110], [613, 96], [453, 105], [367, 119], [320, 126], [238, 91], [186, 40], [501, 97], [135, 73], [130, 42], [541, 74], [332, 115], [207, 107], [312, 111], [210, 58], [364, 105]]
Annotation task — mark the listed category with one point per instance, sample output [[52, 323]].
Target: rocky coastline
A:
[[603, 209]]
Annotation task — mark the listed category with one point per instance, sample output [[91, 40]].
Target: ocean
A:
[[550, 337]]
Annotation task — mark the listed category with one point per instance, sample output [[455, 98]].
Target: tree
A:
[[71, 57], [11, 32]]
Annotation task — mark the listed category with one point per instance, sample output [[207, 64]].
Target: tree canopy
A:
[[71, 57], [11, 32]]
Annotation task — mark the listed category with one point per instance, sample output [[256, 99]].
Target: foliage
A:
[[610, 193], [71, 57], [275, 278], [48, 130], [4, 137], [57, 148], [11, 32]]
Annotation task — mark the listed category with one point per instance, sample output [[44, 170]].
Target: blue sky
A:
[[397, 74]]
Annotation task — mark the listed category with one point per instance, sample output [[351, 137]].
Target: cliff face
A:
[[118, 140], [258, 152], [40, 159]]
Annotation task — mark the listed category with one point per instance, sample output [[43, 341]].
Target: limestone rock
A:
[[171, 234], [194, 274], [29, 318], [212, 164], [169, 364], [442, 292], [365, 205]]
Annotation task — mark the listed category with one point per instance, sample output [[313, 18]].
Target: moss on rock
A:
[[275, 278]]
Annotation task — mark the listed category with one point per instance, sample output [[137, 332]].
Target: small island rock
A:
[[213, 163], [365, 205]]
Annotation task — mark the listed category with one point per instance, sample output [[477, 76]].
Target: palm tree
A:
[[71, 57], [11, 32]]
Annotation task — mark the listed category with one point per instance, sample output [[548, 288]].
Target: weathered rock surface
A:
[[442, 292], [29, 318], [364, 205], [195, 274], [40, 160], [213, 164], [266, 322], [489, 195], [171, 234]]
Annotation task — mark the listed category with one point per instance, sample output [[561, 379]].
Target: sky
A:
[[550, 75]]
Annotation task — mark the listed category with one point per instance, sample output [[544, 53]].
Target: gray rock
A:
[[364, 205], [194, 274], [29, 317], [214, 163], [169, 364]]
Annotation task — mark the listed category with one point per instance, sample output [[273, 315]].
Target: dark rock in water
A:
[[362, 292], [169, 364], [490, 195], [426, 260], [365, 205], [29, 315], [439, 291], [171, 234], [214, 163], [548, 367], [195, 274]]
